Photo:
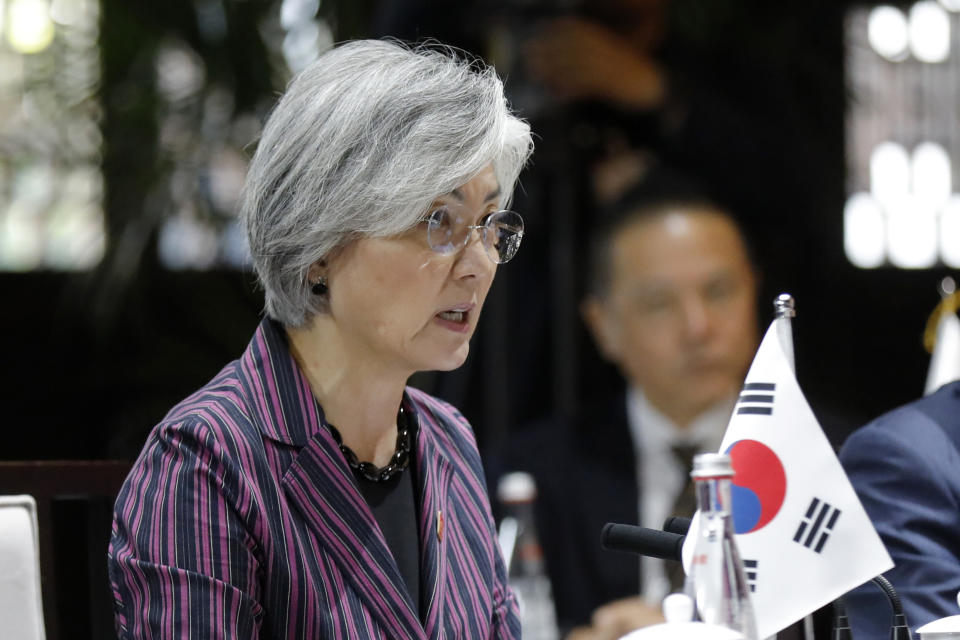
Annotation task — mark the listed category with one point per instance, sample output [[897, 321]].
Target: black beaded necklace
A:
[[400, 459]]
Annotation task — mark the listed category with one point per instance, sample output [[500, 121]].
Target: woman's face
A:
[[399, 304]]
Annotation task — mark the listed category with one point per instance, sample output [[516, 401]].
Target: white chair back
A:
[[21, 606]]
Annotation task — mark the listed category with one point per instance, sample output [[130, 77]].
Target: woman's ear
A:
[[317, 270]]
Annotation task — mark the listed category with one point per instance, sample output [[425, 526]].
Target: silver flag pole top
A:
[[947, 287], [784, 306]]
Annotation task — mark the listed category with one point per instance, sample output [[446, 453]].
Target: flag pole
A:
[[784, 308], [949, 301], [941, 337]]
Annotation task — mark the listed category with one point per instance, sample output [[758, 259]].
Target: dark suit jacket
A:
[[586, 477], [905, 467]]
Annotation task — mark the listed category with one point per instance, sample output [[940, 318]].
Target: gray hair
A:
[[361, 144]]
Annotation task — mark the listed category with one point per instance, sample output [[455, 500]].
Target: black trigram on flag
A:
[[750, 570], [817, 525], [756, 398]]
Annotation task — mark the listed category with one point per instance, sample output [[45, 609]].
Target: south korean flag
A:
[[798, 522]]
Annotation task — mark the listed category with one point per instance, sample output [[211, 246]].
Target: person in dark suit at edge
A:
[[905, 468], [671, 303]]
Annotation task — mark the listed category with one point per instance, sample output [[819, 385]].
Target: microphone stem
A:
[[899, 630], [841, 625]]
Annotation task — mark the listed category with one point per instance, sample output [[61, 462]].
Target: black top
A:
[[394, 505]]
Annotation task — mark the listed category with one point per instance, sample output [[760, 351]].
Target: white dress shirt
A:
[[660, 476]]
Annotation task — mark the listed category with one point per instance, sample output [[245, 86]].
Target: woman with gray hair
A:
[[306, 491]]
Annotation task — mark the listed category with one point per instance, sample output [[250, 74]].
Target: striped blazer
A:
[[241, 519]]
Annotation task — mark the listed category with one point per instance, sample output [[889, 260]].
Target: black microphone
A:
[[676, 524], [646, 542]]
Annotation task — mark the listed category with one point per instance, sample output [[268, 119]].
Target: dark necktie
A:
[[684, 505]]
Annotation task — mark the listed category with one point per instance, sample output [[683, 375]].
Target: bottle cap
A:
[[678, 607], [518, 486], [943, 629], [678, 610], [712, 465], [684, 630]]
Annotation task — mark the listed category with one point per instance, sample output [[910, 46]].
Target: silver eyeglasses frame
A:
[[445, 242]]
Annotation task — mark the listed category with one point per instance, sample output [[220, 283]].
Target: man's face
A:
[[679, 317]]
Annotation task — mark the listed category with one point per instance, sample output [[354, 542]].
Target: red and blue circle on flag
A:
[[759, 485]]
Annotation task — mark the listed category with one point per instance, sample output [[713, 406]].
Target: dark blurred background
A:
[[163, 99]]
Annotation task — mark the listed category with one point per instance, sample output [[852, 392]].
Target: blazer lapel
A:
[[319, 483], [321, 486], [434, 472]]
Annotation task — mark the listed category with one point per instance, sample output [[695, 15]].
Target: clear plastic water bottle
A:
[[526, 569], [716, 580]]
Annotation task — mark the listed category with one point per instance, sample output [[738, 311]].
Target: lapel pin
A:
[[439, 525]]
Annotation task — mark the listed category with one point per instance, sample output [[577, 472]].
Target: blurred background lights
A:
[[234, 247], [910, 219], [887, 32], [180, 71], [950, 233], [929, 32], [29, 26], [20, 239], [74, 238], [911, 234], [306, 37], [864, 231], [930, 174], [51, 184], [186, 243], [68, 12], [296, 12], [889, 173], [902, 136], [301, 45]]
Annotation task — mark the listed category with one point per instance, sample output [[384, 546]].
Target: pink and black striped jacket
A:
[[241, 519]]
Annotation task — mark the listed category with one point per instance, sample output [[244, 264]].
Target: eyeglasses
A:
[[500, 232]]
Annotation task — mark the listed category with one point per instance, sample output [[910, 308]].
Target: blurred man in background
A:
[[672, 304]]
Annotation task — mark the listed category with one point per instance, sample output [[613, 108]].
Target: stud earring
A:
[[320, 288]]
